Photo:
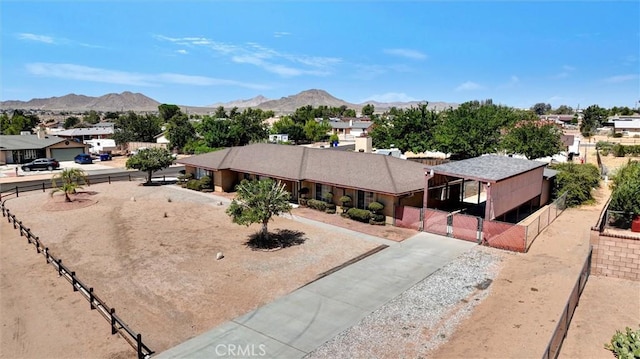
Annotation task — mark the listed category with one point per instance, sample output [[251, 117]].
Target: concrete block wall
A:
[[615, 255]]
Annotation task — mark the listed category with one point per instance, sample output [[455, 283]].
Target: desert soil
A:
[[149, 252], [162, 277]]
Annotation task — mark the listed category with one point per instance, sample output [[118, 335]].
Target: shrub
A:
[[331, 208], [302, 201], [345, 201], [618, 150], [361, 215], [194, 184], [378, 219], [328, 197], [205, 182], [315, 204], [601, 145], [633, 150], [617, 135], [625, 196], [625, 345], [577, 180], [375, 207]]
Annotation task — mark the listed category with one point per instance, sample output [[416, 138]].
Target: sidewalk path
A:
[[301, 321]]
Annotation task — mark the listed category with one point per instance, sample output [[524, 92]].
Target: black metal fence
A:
[[95, 303], [560, 332], [17, 188]]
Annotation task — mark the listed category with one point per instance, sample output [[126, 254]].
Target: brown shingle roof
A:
[[365, 171]]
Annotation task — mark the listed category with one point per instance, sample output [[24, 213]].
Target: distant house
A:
[[162, 138], [87, 133], [365, 177], [15, 149], [350, 128], [625, 125], [279, 138]]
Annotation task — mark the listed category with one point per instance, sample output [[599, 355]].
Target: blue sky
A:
[[198, 53]]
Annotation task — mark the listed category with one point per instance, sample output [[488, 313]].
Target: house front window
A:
[[321, 191], [363, 200]]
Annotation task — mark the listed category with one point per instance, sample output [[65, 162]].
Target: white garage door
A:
[[65, 154]]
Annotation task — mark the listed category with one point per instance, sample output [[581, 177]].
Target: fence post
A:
[[20, 224], [113, 321], [43, 187], [449, 225], [73, 281], [59, 267], [109, 178], [37, 244], [17, 192], [46, 254], [129, 177], [91, 299], [480, 228], [139, 341]]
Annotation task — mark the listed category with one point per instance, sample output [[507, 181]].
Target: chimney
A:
[[40, 132], [363, 144]]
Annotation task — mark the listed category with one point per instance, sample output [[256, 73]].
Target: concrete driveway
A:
[[301, 321]]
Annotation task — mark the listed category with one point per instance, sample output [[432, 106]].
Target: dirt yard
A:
[[149, 252]]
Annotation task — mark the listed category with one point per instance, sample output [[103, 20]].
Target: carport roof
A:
[[489, 168]]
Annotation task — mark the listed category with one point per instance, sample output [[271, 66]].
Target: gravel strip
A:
[[421, 318]]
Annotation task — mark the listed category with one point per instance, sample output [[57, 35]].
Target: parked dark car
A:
[[41, 164], [83, 158]]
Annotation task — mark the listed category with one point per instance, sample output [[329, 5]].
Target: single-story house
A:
[[15, 149], [507, 184], [627, 125], [365, 177]]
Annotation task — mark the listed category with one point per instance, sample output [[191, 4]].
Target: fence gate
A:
[[437, 222], [408, 217]]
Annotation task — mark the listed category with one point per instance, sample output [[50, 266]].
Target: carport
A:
[[506, 183]]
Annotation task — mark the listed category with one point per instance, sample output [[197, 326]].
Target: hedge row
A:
[[617, 149]]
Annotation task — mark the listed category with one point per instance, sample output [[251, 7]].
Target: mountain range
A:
[[128, 101]]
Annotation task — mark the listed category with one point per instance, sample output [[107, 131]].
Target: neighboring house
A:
[[558, 119], [86, 133], [162, 138], [350, 128], [626, 125], [508, 184], [365, 177], [15, 149]]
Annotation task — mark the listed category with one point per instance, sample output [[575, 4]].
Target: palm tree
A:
[[69, 180]]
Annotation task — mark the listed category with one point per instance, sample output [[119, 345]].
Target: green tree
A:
[[625, 194], [131, 127], [91, 117], [592, 118], [316, 131], [150, 160], [71, 122], [474, 128], [541, 108], [367, 110], [167, 112], [577, 180], [68, 181], [111, 115], [285, 125], [563, 110], [408, 130], [220, 112], [180, 131], [533, 140], [258, 202], [18, 122], [248, 126]]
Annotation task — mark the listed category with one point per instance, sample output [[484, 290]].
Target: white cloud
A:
[[182, 51], [93, 74], [407, 53], [271, 60], [281, 34], [568, 68], [561, 75], [38, 38], [390, 97], [469, 86], [621, 78]]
